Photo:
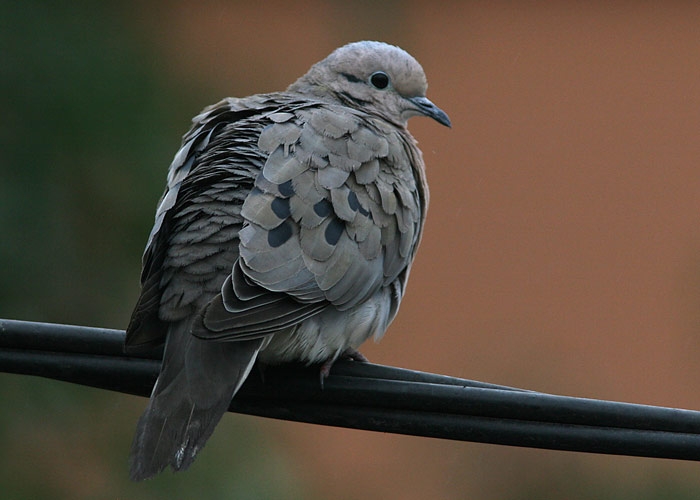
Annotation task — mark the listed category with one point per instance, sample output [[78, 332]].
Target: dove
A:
[[286, 233]]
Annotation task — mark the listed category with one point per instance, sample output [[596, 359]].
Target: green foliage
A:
[[90, 122], [87, 133]]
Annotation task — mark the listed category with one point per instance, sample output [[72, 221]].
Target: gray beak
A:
[[427, 108]]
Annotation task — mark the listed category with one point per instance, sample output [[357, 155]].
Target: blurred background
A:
[[562, 249]]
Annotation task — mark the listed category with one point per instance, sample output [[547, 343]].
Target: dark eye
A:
[[379, 80]]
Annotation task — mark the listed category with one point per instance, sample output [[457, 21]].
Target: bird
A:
[[286, 233]]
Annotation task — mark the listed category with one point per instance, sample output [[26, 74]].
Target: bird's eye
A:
[[379, 80]]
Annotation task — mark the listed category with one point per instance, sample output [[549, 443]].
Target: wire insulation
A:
[[372, 397]]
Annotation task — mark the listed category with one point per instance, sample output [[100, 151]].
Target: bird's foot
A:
[[349, 353]]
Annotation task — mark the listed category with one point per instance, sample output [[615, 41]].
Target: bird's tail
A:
[[198, 379]]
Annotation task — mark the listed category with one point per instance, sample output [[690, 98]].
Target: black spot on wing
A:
[[281, 207], [323, 208], [286, 189], [278, 236], [333, 231], [353, 201], [355, 204]]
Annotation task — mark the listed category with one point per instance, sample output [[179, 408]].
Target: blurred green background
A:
[[561, 252], [91, 118]]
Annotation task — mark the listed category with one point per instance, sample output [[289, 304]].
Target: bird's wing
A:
[[216, 164], [335, 214]]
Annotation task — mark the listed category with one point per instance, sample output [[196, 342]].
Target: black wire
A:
[[372, 397]]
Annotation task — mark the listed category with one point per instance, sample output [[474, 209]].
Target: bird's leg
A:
[[349, 353], [354, 355]]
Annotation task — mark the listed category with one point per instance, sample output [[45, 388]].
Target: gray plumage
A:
[[286, 233]]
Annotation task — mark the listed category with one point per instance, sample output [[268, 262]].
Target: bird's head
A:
[[375, 77]]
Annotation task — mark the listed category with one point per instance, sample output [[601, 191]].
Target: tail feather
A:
[[197, 382]]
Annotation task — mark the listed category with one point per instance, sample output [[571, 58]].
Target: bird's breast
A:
[[326, 335]]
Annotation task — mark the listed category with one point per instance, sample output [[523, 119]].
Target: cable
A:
[[372, 397]]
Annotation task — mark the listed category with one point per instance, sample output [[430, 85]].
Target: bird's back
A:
[[286, 233], [349, 187]]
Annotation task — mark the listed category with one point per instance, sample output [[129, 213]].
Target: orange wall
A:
[[562, 250]]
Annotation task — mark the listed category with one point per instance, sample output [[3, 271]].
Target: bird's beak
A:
[[425, 107]]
